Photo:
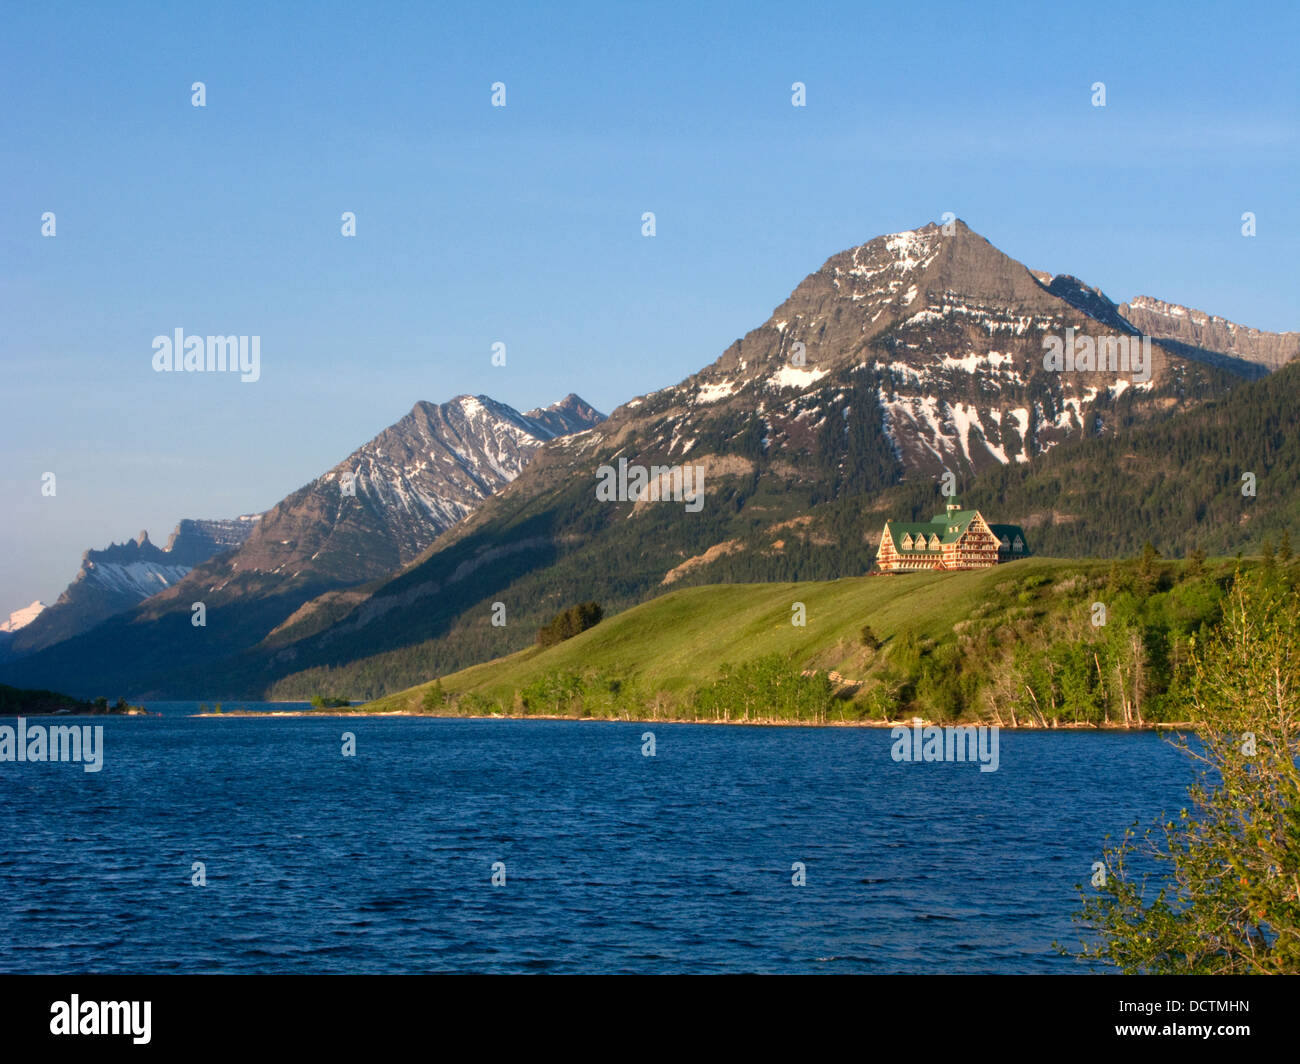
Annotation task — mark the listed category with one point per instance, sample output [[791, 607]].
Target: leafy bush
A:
[[555, 692], [472, 704], [434, 697], [1226, 902]]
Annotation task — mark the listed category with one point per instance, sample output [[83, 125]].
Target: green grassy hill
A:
[[972, 645]]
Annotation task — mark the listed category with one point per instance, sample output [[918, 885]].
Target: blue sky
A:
[[522, 224]]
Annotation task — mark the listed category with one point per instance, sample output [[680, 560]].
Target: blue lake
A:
[[614, 861]]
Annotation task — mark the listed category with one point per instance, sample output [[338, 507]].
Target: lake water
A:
[[614, 861]]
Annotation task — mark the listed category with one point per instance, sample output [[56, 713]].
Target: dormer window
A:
[[1018, 546], [934, 541], [907, 541], [1004, 543]]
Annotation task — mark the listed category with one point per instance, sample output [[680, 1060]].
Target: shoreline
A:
[[134, 711], [757, 722]]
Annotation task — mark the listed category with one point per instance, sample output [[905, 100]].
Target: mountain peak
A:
[[456, 402], [400, 490], [912, 248], [567, 416], [476, 403], [893, 282], [898, 274]]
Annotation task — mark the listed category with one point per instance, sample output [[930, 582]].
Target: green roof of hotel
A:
[[948, 527]]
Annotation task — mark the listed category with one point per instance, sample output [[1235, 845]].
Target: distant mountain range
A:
[[374, 511], [913, 355], [123, 575]]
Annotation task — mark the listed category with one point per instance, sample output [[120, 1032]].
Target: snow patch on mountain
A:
[[140, 579], [712, 393], [796, 377], [973, 362], [23, 617], [912, 248]]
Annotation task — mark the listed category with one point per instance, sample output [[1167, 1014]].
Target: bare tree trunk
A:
[[1139, 673], [1101, 682], [1042, 721]]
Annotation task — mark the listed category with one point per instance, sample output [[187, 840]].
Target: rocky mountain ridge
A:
[[122, 575]]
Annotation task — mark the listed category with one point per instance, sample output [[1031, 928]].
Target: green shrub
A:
[[434, 697], [1211, 889]]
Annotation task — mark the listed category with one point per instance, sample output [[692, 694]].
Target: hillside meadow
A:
[[1039, 642]]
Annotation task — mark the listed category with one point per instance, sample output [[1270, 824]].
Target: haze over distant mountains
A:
[[412, 481], [910, 355], [121, 575]]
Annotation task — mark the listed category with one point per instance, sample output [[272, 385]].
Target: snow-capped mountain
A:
[[943, 335], [387, 501], [124, 574], [23, 617], [423, 474]]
